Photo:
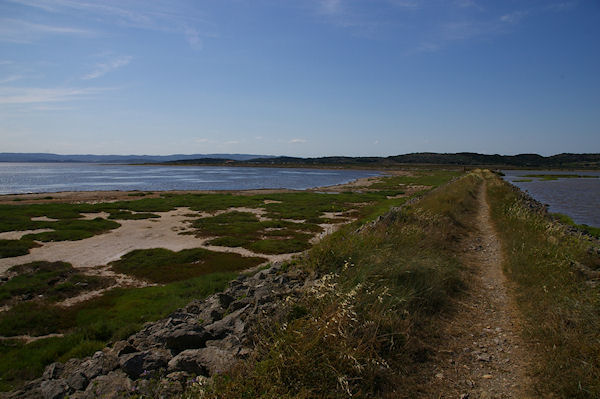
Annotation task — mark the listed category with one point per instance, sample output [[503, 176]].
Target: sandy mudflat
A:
[[163, 232]]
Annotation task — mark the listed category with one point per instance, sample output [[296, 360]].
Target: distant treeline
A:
[[575, 161]]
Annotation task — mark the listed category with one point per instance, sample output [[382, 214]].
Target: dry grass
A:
[[559, 301]]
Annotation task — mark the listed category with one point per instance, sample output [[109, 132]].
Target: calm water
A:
[[578, 198], [51, 177]]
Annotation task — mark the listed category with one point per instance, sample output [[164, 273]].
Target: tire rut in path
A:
[[482, 353]]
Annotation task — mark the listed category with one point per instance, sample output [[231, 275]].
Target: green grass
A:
[[560, 176], [417, 177], [160, 265], [73, 230], [368, 324], [591, 230], [243, 229], [10, 248], [52, 280], [127, 215], [523, 181], [89, 326], [561, 308]]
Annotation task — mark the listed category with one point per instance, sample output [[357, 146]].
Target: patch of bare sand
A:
[[17, 235], [91, 216], [43, 219], [164, 232], [29, 338], [105, 248]]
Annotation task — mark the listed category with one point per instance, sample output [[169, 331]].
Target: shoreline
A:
[[95, 196]]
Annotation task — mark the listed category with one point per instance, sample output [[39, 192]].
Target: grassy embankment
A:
[[561, 305], [90, 325], [368, 326]]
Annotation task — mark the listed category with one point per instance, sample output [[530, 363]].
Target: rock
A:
[[230, 324], [187, 361], [53, 371], [487, 376], [142, 364], [121, 348], [206, 361], [187, 337], [77, 381], [54, 389], [112, 386], [225, 300], [100, 363]]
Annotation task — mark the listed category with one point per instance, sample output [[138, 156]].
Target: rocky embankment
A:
[[201, 339]]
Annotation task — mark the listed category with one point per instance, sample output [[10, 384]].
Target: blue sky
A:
[[299, 77]]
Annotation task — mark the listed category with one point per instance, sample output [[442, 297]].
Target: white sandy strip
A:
[[43, 219], [105, 248], [29, 338], [16, 235]]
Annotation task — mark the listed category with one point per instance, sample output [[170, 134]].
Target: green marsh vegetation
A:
[[591, 230], [560, 176], [90, 325], [361, 331], [561, 305], [53, 280], [160, 265]]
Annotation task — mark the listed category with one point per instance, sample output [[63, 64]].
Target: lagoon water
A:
[[18, 178], [578, 198]]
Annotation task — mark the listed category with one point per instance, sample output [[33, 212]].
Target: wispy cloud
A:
[[297, 141], [103, 68], [562, 6], [158, 15], [513, 17], [10, 78], [20, 31], [193, 38], [329, 7], [31, 95]]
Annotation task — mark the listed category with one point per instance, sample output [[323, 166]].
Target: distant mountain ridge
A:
[[565, 160], [48, 157]]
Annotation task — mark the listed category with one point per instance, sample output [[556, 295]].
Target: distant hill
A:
[[44, 157], [584, 161], [567, 161]]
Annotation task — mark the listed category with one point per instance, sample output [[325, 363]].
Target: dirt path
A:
[[484, 355]]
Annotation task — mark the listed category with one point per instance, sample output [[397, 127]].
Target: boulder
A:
[[142, 364], [112, 386], [77, 381], [206, 361], [54, 389], [185, 337], [53, 371]]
